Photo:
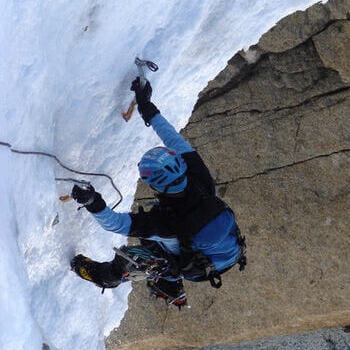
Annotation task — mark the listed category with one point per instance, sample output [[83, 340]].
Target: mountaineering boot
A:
[[104, 275], [171, 291]]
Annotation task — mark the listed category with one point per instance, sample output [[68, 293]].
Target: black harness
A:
[[185, 216]]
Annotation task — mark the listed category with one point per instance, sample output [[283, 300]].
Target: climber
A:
[[188, 221]]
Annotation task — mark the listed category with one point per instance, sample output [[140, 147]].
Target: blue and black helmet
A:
[[164, 170]]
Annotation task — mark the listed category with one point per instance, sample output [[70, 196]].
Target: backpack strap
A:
[[215, 275], [242, 259]]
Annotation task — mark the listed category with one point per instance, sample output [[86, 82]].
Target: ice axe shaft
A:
[[140, 67], [140, 64], [81, 183]]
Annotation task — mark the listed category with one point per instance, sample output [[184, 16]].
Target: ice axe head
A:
[[141, 64]]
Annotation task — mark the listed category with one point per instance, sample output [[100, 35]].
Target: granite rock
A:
[[324, 339], [274, 129]]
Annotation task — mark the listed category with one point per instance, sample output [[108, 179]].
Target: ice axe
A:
[[140, 64], [85, 185]]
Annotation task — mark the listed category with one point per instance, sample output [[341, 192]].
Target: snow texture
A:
[[66, 68]]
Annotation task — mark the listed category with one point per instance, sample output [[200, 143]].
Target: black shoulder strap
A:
[[215, 284], [242, 260]]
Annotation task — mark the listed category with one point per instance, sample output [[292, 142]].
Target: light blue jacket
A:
[[217, 239]]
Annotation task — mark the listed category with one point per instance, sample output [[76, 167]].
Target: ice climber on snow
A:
[[189, 225]]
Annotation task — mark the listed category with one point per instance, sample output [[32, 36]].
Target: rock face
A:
[[274, 129], [324, 339]]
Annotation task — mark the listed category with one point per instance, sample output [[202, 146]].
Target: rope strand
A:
[[66, 167]]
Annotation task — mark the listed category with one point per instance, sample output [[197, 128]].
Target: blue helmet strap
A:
[[165, 189], [173, 183]]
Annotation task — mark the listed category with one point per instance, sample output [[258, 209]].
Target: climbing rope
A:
[[126, 115], [6, 144]]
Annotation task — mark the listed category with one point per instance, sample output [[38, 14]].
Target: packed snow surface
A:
[[66, 68]]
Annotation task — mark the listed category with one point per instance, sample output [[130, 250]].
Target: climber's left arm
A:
[[170, 137]]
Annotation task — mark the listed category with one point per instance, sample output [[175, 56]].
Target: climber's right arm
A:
[[141, 224], [112, 221]]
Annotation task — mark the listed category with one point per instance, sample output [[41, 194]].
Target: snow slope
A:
[[65, 76]]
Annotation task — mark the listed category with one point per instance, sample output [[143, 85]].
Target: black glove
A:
[[91, 199], [143, 99], [142, 94], [83, 196]]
